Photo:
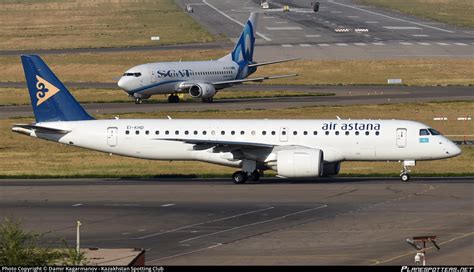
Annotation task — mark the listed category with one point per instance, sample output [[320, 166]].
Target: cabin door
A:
[[401, 137], [112, 136]]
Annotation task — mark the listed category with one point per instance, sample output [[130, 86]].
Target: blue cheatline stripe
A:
[[153, 85]]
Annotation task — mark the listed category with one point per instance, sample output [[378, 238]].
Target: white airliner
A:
[[201, 79], [292, 148]]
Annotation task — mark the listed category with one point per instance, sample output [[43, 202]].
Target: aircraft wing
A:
[[257, 79], [220, 143]]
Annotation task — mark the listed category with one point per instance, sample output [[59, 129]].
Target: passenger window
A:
[[232, 132], [283, 132], [305, 133], [253, 132], [186, 132], [176, 132], [147, 132], [347, 132], [167, 132], [242, 132], [157, 132], [337, 132], [377, 133], [273, 133], [295, 132], [327, 132], [357, 133], [137, 132], [195, 132], [424, 132], [213, 132], [265, 133], [127, 132], [222, 132], [367, 133], [315, 132], [204, 132]]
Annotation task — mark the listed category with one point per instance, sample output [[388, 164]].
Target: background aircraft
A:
[[201, 79], [292, 148]]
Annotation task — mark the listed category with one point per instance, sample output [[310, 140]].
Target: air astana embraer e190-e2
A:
[[292, 148], [201, 79]]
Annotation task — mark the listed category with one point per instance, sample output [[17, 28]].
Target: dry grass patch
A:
[[108, 67], [457, 12], [22, 155], [90, 24]]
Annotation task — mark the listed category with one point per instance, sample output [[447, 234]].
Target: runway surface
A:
[[340, 30], [212, 221], [367, 32], [344, 95]]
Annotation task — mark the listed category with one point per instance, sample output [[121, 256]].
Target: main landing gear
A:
[[405, 173], [240, 177], [138, 100], [208, 100], [173, 98]]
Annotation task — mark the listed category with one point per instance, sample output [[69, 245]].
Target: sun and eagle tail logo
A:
[[45, 90]]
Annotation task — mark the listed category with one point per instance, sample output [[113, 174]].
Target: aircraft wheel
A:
[[208, 100], [173, 98], [138, 101], [405, 177], [239, 177], [255, 176]]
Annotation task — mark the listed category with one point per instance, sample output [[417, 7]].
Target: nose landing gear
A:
[[405, 173]]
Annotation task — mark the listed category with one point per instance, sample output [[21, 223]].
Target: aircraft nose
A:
[[455, 150], [122, 83]]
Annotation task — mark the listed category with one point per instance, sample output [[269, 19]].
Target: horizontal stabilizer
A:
[[24, 128], [257, 79], [271, 62]]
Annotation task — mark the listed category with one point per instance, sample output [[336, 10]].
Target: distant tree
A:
[[20, 248]]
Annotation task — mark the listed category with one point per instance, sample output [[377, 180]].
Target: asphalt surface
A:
[[309, 35], [344, 95], [348, 221]]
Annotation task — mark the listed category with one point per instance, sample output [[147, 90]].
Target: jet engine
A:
[[300, 163], [202, 90], [331, 169]]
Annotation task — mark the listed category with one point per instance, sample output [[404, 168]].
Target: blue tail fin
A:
[[50, 99], [243, 50]]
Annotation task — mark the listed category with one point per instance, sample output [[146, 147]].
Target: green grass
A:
[[93, 24], [22, 156], [456, 12]]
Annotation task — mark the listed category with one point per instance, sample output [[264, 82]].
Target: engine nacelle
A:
[[300, 163], [331, 169], [202, 90]]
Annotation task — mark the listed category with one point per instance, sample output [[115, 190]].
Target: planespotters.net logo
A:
[[45, 90], [437, 269]]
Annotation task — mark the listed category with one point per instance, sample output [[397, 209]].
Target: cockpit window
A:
[[424, 132], [132, 74], [434, 131]]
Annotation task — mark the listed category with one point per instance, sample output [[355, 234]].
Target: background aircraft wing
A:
[[257, 79]]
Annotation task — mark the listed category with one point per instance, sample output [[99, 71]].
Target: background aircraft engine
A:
[[331, 169], [202, 90], [300, 163]]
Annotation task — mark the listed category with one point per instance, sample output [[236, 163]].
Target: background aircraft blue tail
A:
[[50, 99], [243, 50]]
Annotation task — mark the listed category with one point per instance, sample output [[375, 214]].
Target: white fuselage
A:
[[167, 77], [340, 140]]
